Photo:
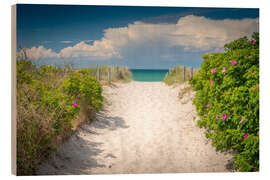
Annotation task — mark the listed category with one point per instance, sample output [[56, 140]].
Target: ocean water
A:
[[148, 75]]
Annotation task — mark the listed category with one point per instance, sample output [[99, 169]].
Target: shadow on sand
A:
[[78, 155], [229, 165], [103, 121]]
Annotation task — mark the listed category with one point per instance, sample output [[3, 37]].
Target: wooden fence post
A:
[[98, 73], [184, 73], [117, 70], [109, 74]]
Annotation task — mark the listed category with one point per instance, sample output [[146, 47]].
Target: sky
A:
[[137, 37]]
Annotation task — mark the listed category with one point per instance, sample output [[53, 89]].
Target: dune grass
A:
[[175, 75], [51, 103]]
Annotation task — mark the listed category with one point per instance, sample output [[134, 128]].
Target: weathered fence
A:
[[184, 73], [109, 73], [179, 74], [191, 72], [98, 74], [187, 71]]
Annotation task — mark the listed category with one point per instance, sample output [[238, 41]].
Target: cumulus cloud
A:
[[102, 49], [189, 34], [37, 53], [203, 33]]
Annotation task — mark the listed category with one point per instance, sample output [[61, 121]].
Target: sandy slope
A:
[[144, 128]]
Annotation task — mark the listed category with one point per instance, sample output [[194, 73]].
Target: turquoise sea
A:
[[148, 74]]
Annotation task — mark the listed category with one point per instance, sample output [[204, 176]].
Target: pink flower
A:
[[224, 73], [75, 105], [224, 116], [38, 102], [207, 106], [216, 116], [245, 136], [234, 63], [224, 69], [213, 70], [211, 81], [242, 120], [249, 57], [252, 41]]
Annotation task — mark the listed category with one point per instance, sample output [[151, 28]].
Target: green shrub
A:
[[49, 101], [227, 100], [85, 88], [23, 71]]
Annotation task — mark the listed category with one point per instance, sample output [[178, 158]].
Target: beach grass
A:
[[52, 102], [175, 75]]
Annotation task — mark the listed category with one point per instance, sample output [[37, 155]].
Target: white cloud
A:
[[204, 34], [191, 33], [66, 42], [102, 49], [37, 53]]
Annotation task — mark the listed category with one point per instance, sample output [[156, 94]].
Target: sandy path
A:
[[144, 128]]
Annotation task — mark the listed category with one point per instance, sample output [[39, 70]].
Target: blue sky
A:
[[137, 37]]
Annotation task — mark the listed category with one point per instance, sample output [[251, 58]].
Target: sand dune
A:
[[143, 128]]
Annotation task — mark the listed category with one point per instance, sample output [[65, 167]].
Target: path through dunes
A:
[[143, 128]]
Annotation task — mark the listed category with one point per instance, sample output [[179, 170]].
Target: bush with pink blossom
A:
[[227, 100]]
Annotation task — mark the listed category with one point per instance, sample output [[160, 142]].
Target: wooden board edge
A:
[[13, 88]]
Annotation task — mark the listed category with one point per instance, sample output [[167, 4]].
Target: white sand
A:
[[144, 128]]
